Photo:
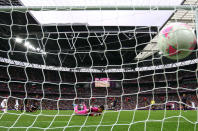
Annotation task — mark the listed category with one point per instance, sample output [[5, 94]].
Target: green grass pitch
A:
[[116, 120]]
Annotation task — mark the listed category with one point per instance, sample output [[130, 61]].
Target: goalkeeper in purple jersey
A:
[[92, 111]]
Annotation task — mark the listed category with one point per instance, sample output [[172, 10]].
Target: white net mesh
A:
[[59, 56]]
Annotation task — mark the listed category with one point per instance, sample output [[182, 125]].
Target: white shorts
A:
[[3, 106]]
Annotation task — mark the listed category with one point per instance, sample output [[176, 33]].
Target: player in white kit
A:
[[16, 105], [173, 106], [4, 105], [193, 105]]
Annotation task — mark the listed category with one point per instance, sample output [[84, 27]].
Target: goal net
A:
[[95, 65]]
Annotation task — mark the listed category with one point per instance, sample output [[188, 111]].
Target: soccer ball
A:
[[176, 41]]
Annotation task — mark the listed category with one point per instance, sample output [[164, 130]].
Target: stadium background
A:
[[58, 90]]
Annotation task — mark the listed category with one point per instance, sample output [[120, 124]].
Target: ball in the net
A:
[[176, 41]]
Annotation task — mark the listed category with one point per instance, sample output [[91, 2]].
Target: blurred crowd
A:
[[124, 102], [59, 90]]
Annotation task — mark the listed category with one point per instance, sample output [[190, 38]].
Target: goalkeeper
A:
[[93, 111]]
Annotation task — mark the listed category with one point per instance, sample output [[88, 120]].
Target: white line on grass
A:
[[102, 122]]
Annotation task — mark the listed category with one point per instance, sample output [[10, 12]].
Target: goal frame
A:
[[76, 8], [193, 8]]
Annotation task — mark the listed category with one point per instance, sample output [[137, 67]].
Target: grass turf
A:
[[116, 120]]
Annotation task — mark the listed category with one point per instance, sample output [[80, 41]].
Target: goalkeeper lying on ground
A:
[[93, 111]]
